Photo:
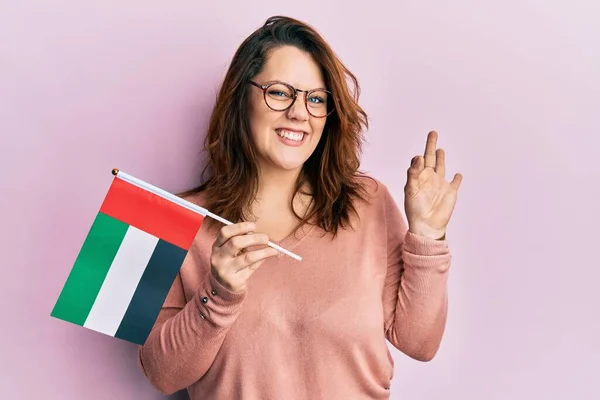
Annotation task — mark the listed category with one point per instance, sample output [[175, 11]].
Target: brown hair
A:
[[331, 171]]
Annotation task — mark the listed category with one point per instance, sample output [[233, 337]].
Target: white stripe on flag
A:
[[121, 281]]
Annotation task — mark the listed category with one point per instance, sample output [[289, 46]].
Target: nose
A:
[[298, 110]]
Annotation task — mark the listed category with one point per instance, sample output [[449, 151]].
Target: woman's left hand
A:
[[429, 199]]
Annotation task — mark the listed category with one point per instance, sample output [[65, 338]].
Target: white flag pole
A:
[[186, 204]]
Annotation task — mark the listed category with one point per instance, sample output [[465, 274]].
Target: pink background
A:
[[512, 87]]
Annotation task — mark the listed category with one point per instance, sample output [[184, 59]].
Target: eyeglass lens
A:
[[279, 97]]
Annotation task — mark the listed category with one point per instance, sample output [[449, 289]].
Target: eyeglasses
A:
[[280, 96]]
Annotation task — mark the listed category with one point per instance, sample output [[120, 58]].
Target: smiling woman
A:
[[242, 321]]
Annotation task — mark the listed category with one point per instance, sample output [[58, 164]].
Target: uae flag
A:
[[128, 261]]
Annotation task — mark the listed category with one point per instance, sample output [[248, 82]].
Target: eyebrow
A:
[[284, 81]]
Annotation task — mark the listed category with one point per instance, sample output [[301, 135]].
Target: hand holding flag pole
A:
[[184, 203]]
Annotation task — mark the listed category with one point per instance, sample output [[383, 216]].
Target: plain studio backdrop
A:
[[512, 87]]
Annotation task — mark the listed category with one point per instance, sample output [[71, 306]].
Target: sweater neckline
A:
[[294, 238]]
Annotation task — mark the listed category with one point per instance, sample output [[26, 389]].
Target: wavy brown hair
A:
[[331, 172]]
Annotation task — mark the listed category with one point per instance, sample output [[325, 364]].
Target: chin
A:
[[288, 160], [289, 165]]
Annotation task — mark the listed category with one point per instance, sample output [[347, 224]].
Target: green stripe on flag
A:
[[90, 269]]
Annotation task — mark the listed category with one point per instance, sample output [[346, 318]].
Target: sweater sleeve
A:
[[415, 293], [187, 336]]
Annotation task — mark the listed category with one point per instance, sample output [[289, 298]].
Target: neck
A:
[[275, 191], [277, 184]]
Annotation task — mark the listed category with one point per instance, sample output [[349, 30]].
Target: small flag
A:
[[128, 262]]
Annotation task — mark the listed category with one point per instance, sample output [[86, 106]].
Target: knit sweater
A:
[[314, 329]]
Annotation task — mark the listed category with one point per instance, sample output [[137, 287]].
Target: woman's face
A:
[[286, 139]]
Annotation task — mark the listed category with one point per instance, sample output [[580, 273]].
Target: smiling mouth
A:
[[290, 135]]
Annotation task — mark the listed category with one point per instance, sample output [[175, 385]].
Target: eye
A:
[[280, 92], [276, 93], [318, 98]]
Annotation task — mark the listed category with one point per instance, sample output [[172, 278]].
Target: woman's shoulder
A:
[[375, 190], [382, 206]]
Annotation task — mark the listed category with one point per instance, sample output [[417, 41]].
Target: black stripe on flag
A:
[[151, 292]]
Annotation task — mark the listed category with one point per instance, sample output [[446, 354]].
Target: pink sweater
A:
[[311, 330]]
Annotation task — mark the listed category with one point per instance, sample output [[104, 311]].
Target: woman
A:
[[243, 321]]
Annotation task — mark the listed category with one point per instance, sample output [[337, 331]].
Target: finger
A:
[[246, 272], [416, 167], [440, 162], [238, 243], [456, 181], [413, 172], [229, 231], [430, 149], [253, 259]]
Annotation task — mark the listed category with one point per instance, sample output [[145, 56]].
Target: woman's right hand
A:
[[232, 265]]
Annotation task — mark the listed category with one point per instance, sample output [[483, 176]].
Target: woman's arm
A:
[[187, 336], [415, 294]]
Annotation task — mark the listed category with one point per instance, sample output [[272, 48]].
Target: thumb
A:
[[456, 181]]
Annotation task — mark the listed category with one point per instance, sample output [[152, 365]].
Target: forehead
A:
[[294, 66]]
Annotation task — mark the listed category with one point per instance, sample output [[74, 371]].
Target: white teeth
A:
[[295, 136]]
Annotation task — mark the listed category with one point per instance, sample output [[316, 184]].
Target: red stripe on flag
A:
[[151, 213]]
